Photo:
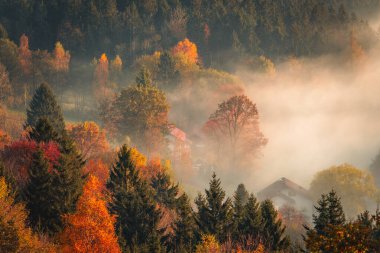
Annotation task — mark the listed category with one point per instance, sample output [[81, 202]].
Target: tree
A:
[[134, 205], [90, 139], [141, 112], [187, 51], [5, 85], [166, 192], [352, 184], [44, 105], [209, 244], [251, 225], [240, 199], [43, 132], [273, 232], [61, 58], [101, 76], [234, 129], [41, 196], [25, 55], [144, 78], [91, 227], [14, 235], [167, 72], [214, 211], [184, 226]]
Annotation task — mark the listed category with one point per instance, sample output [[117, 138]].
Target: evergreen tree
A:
[[329, 212], [214, 212], [167, 70], [251, 223], [240, 199], [165, 192], [44, 105], [184, 226], [41, 196], [133, 204], [43, 131], [273, 230]]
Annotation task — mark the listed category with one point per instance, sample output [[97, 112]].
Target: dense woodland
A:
[[114, 114]]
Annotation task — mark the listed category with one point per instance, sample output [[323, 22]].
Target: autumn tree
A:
[[354, 186], [98, 169], [214, 211], [234, 129], [101, 76], [141, 112], [61, 58], [90, 139], [14, 235], [5, 85], [134, 205], [25, 55], [185, 54], [91, 227]]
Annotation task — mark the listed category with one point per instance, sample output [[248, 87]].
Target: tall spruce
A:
[[240, 199], [214, 211], [251, 225], [133, 204], [165, 191], [273, 232], [184, 226], [329, 212], [44, 105], [41, 196], [43, 131]]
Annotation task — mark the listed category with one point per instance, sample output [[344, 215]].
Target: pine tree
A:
[[165, 192], [134, 206], [321, 219], [335, 210], [214, 212], [43, 131], [44, 105], [251, 222], [273, 230], [167, 70], [240, 199], [184, 227], [41, 196]]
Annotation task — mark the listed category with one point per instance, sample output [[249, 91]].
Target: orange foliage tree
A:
[[61, 58], [25, 55], [101, 76], [186, 51], [91, 228], [90, 139], [98, 169]]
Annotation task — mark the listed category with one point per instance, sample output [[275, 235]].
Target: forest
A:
[[205, 126]]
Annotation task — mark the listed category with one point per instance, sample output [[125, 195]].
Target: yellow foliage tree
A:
[[91, 228], [61, 58], [351, 184], [185, 54], [14, 235], [209, 244]]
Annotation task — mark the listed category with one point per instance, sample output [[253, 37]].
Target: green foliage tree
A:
[[167, 74], [133, 203], [214, 211], [240, 199], [273, 232], [184, 226], [165, 191], [251, 223], [44, 105]]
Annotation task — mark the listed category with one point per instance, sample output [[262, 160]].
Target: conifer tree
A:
[[44, 105], [240, 198], [134, 205], [41, 197], [165, 191], [184, 227], [144, 77], [273, 230], [43, 131], [251, 223], [214, 212]]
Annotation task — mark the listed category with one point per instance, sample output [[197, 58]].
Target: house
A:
[[285, 192]]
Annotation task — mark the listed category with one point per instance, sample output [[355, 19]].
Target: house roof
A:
[[178, 133], [276, 190]]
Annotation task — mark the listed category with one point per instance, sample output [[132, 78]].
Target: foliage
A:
[[91, 227], [134, 205], [90, 139], [5, 85], [214, 211], [352, 184], [209, 244]]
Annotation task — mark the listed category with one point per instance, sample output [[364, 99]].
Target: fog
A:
[[316, 113]]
